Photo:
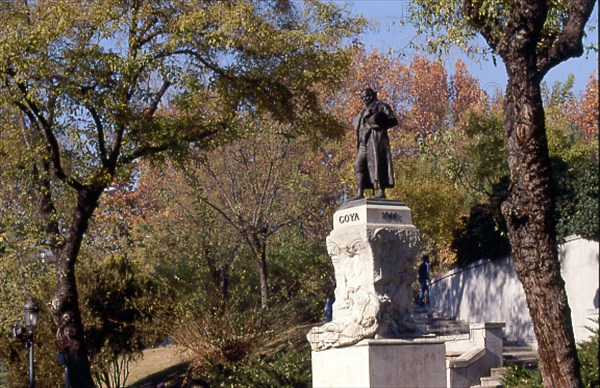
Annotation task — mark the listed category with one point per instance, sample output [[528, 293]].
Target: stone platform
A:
[[382, 363]]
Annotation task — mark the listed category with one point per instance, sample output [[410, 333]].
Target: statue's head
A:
[[368, 95]]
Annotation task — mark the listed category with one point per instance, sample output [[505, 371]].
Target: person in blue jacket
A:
[[424, 280]]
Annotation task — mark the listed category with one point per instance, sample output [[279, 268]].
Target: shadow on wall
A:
[[490, 291], [485, 291]]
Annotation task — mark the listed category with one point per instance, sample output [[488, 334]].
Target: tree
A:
[[257, 186], [583, 111], [574, 156], [90, 83], [205, 264], [531, 38]]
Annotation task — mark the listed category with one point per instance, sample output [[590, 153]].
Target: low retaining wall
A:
[[490, 291]]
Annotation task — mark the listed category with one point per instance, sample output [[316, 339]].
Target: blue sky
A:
[[389, 36]]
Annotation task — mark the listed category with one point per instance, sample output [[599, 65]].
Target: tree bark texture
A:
[[262, 275], [65, 304], [528, 212], [529, 51]]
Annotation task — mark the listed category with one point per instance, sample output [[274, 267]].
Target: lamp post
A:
[[31, 316]]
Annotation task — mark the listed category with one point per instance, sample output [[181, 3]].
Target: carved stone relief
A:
[[373, 272]]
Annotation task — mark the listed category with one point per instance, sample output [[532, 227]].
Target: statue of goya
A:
[[373, 164]]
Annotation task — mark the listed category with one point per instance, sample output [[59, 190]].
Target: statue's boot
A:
[[360, 195], [380, 193]]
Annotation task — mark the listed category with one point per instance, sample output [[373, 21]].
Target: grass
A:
[[158, 365]]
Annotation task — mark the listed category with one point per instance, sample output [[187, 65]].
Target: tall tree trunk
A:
[[528, 212], [262, 275], [65, 304], [529, 50]]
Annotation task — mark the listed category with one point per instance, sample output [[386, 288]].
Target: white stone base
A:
[[382, 363]]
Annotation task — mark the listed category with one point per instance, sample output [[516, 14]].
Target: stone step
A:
[[441, 323], [443, 328], [426, 316], [523, 354], [494, 380], [517, 350], [520, 355], [431, 321], [490, 382], [498, 372], [521, 362]]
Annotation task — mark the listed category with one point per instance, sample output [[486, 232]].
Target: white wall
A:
[[579, 261], [490, 291]]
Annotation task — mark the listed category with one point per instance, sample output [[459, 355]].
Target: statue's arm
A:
[[392, 121], [385, 117]]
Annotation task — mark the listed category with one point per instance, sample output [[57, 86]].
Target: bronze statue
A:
[[373, 165]]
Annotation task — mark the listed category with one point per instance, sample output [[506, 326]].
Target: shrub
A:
[[521, 377], [241, 347], [588, 356], [287, 368]]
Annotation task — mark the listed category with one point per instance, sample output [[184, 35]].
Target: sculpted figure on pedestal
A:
[[373, 164], [363, 307], [373, 272]]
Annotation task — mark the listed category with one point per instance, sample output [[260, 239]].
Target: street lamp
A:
[[31, 317]]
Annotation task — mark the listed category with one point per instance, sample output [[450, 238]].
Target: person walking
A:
[[424, 281]]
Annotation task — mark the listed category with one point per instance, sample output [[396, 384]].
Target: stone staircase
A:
[[429, 321], [513, 354], [494, 380], [519, 355]]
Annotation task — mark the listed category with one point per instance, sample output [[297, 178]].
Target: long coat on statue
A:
[[371, 126]]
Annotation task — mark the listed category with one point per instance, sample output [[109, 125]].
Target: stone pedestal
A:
[[382, 363], [373, 247]]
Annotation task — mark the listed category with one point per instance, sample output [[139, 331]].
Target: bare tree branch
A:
[[149, 150], [101, 138], [149, 112]]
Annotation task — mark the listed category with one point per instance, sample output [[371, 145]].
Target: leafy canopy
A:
[[457, 23], [107, 82]]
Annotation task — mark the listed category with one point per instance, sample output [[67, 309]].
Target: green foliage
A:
[[574, 167], [122, 306], [435, 201], [88, 88], [445, 26], [455, 23], [472, 155], [302, 274], [22, 279], [588, 356], [464, 171], [288, 368], [111, 60], [521, 377], [477, 161], [576, 206], [483, 233]]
